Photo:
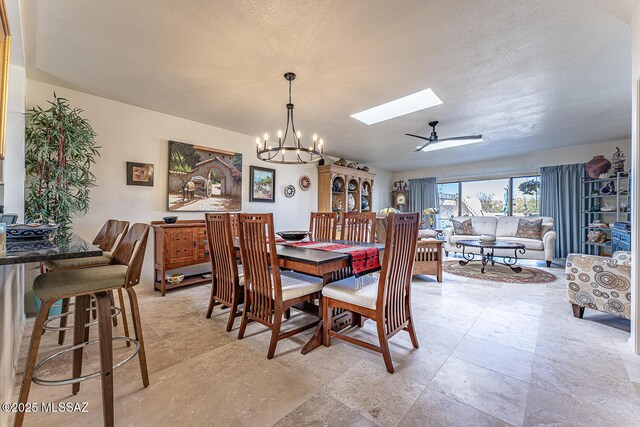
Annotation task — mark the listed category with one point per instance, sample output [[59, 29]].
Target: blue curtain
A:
[[423, 194], [560, 199]]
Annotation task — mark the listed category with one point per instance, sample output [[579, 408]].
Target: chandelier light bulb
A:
[[315, 137], [298, 134], [279, 134], [258, 141], [321, 142], [266, 136]]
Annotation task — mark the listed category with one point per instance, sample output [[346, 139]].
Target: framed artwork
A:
[[5, 47], [140, 174], [262, 185], [203, 179]]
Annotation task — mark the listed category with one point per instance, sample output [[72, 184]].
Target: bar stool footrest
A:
[[41, 381]]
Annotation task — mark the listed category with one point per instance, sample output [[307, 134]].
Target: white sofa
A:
[[505, 228]]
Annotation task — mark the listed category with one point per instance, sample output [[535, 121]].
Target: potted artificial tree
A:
[[60, 150]]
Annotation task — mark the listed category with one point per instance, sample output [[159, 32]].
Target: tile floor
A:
[[490, 354]]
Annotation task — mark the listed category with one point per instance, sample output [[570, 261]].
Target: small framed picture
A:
[[263, 184], [140, 174]]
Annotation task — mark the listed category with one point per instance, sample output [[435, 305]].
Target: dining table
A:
[[330, 266]]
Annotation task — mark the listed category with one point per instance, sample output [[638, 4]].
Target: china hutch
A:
[[342, 189]]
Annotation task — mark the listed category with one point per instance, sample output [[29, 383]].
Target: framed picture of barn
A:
[[204, 179], [262, 184]]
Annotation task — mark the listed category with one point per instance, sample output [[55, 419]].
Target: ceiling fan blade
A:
[[425, 145], [460, 138], [426, 138]]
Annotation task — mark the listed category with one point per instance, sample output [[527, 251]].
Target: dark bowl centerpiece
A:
[[170, 219], [293, 236]]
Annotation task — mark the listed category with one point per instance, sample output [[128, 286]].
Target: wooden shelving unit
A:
[[356, 187], [617, 200]]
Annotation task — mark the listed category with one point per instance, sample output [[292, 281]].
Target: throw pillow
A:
[[464, 228], [528, 229]]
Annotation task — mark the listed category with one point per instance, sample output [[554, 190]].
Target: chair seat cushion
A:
[[345, 290], [58, 284], [68, 264], [427, 233], [295, 285]]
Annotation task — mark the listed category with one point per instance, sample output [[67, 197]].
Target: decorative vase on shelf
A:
[[364, 203], [597, 166]]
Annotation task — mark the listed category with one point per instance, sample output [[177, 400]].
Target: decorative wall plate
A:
[[304, 182], [289, 191]]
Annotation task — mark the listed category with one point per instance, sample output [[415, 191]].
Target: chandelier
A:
[[295, 152]]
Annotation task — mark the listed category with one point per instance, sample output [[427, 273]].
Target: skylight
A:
[[449, 144], [399, 107]]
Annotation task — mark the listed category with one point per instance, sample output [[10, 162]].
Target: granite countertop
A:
[[35, 250]]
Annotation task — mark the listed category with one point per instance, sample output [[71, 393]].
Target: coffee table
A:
[[487, 252]]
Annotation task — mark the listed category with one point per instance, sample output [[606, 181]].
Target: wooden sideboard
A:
[[178, 245]]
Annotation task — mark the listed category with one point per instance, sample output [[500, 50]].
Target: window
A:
[[526, 196], [518, 196], [449, 197], [485, 198]]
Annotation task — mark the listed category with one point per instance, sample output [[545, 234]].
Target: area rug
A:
[[498, 273]]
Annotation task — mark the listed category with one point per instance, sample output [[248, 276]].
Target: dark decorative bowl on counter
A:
[[170, 219], [30, 231], [293, 236]]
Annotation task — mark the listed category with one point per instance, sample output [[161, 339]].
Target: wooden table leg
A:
[[316, 340]]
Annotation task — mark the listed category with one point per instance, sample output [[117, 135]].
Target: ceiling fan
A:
[[433, 139]]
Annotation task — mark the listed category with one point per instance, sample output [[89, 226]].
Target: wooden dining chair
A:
[[429, 258], [323, 225], [109, 235], [359, 226], [123, 272], [234, 224], [269, 292], [226, 283], [388, 302]]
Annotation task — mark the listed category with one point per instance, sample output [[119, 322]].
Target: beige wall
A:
[[128, 133], [521, 165]]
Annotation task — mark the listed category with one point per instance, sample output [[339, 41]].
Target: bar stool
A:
[[106, 239], [123, 272]]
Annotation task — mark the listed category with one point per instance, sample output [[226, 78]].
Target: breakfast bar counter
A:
[[12, 289]]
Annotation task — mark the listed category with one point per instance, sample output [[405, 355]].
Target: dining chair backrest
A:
[[234, 224], [130, 252], [260, 263], [394, 286], [110, 233], [359, 226], [323, 225], [222, 254]]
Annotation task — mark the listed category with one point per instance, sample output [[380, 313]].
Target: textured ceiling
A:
[[528, 75]]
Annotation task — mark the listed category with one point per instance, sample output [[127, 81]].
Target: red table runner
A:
[[364, 259]]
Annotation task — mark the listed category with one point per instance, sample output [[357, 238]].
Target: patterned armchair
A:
[[600, 283]]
